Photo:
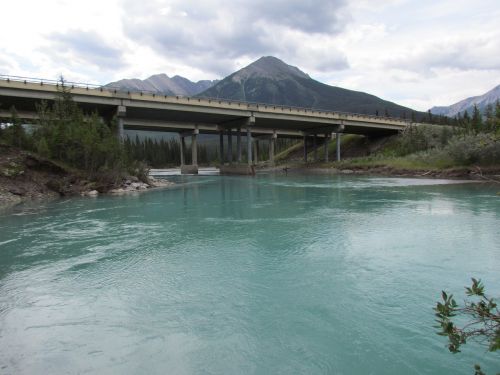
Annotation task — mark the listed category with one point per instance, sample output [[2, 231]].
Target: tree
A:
[[497, 116], [490, 119], [83, 141], [477, 119], [483, 318]]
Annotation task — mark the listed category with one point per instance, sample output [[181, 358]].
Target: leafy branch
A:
[[483, 316]]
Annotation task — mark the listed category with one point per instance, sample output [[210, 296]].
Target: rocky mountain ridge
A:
[[163, 84], [482, 101]]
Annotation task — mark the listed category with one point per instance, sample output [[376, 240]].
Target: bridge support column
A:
[[249, 146], [315, 147], [327, 139], [238, 144], [221, 146], [121, 112], [229, 146], [193, 167], [338, 145], [183, 148], [194, 150], [256, 151], [305, 149], [271, 150], [121, 130]]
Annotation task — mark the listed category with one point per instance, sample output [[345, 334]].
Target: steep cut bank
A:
[[26, 176]]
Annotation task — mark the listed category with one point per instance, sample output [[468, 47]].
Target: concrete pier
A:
[[337, 135], [194, 150], [221, 146], [193, 167], [271, 150], [249, 146], [237, 169], [315, 147], [327, 139], [305, 149], [238, 145], [229, 146], [183, 148], [256, 151]]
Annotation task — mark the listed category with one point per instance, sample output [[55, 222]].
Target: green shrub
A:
[[483, 148]]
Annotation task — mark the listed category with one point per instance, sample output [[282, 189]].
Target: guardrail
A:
[[156, 94]]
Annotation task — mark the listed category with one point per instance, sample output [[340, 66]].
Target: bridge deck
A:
[[151, 111]]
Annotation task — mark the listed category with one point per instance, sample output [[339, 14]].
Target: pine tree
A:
[[477, 120], [489, 122], [496, 120]]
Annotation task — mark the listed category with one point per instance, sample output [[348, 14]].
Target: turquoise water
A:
[[265, 275]]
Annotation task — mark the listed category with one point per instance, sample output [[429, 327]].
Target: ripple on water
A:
[[232, 275]]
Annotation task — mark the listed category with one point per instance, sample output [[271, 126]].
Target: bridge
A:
[[190, 116]]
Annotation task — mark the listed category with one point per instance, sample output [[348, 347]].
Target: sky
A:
[[418, 53]]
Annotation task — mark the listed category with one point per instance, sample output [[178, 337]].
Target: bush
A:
[[483, 148], [420, 138]]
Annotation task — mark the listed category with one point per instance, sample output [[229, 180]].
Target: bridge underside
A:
[[209, 122]]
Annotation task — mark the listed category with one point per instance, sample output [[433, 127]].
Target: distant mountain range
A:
[[163, 84], [481, 101], [271, 81]]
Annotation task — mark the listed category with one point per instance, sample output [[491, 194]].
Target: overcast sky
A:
[[418, 53]]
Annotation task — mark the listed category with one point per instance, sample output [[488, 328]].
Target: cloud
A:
[[478, 52], [86, 47], [216, 35]]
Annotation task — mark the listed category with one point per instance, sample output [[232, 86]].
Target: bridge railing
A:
[[117, 89]]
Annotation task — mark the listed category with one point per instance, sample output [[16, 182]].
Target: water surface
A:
[[227, 275]]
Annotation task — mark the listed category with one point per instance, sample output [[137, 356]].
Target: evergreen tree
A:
[[477, 120], [496, 120], [489, 122]]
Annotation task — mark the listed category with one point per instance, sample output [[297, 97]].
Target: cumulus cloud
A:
[[87, 47], [215, 34], [478, 52]]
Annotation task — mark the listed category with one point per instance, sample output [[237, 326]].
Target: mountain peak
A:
[[268, 67], [481, 101], [163, 84]]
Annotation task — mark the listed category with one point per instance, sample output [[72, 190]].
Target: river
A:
[[241, 275]]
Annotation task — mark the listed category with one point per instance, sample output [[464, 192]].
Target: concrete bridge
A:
[[190, 116]]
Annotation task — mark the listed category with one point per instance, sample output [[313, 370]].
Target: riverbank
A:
[[26, 176], [490, 173]]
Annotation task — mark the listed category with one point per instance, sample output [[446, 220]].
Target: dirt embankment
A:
[[26, 176]]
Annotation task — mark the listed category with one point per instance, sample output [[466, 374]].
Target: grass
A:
[[438, 150]]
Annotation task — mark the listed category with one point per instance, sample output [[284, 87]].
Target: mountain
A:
[[481, 101], [163, 84], [270, 80]]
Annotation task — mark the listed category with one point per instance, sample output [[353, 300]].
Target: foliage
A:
[[482, 148], [83, 141], [139, 169], [483, 317], [14, 133], [423, 137]]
